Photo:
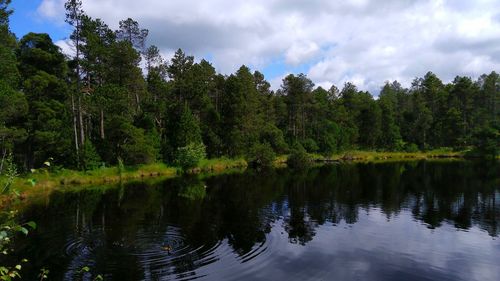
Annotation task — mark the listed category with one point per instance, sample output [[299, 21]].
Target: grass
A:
[[220, 164], [43, 182], [386, 156], [45, 179]]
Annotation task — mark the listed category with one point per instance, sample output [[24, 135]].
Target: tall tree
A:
[[388, 101], [74, 14], [131, 32], [298, 93], [44, 72]]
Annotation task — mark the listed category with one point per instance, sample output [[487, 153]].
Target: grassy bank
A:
[[385, 156], [46, 179]]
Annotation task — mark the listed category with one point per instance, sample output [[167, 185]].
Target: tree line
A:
[[118, 98]]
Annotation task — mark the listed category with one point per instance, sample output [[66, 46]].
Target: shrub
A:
[[261, 155], [189, 156], [298, 158], [486, 143], [90, 158], [310, 145], [411, 147]]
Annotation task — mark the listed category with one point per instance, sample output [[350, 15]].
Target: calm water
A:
[[399, 221]]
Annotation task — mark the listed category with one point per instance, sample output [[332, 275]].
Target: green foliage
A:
[[121, 166], [310, 145], [487, 143], [89, 157], [188, 130], [261, 155], [9, 175], [44, 274], [298, 158], [9, 225], [411, 147], [189, 156]]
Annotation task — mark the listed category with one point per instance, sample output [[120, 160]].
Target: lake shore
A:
[[45, 181], [388, 156]]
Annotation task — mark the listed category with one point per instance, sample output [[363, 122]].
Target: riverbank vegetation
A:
[[99, 106]]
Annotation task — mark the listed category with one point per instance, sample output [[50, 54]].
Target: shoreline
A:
[[45, 182]]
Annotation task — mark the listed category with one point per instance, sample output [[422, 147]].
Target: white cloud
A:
[[52, 9], [365, 41], [66, 46], [301, 52]]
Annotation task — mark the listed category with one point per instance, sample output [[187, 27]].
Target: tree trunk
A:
[[75, 130], [138, 102], [102, 124], [80, 121]]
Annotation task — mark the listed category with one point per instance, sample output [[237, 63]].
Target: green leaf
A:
[[24, 230], [85, 269], [31, 224]]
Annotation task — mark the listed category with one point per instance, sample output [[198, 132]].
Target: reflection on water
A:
[[398, 221]]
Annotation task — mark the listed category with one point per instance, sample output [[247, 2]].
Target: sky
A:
[[366, 42]]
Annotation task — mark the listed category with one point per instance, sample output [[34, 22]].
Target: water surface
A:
[[397, 221]]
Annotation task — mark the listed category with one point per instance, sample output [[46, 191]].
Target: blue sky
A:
[[366, 42], [26, 19]]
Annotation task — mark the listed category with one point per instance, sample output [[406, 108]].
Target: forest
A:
[[117, 99]]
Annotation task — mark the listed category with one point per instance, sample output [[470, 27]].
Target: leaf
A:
[[18, 267], [31, 224], [24, 230]]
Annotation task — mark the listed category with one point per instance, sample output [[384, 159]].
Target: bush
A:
[[274, 136], [298, 158], [411, 147], [90, 159], [261, 155], [310, 145], [189, 156], [486, 143]]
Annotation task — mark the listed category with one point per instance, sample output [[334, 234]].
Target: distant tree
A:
[[390, 131], [240, 113], [487, 142], [298, 97], [131, 32], [74, 15]]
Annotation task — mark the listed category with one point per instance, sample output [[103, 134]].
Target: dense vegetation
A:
[[117, 98]]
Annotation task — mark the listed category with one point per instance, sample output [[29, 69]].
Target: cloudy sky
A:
[[332, 41]]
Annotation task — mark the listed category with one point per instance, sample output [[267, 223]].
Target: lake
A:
[[391, 221]]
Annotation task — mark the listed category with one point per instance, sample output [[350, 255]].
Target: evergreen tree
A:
[[43, 70]]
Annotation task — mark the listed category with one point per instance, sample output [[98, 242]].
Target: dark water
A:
[[399, 221]]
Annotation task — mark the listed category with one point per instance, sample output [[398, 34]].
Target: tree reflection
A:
[[123, 232]]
